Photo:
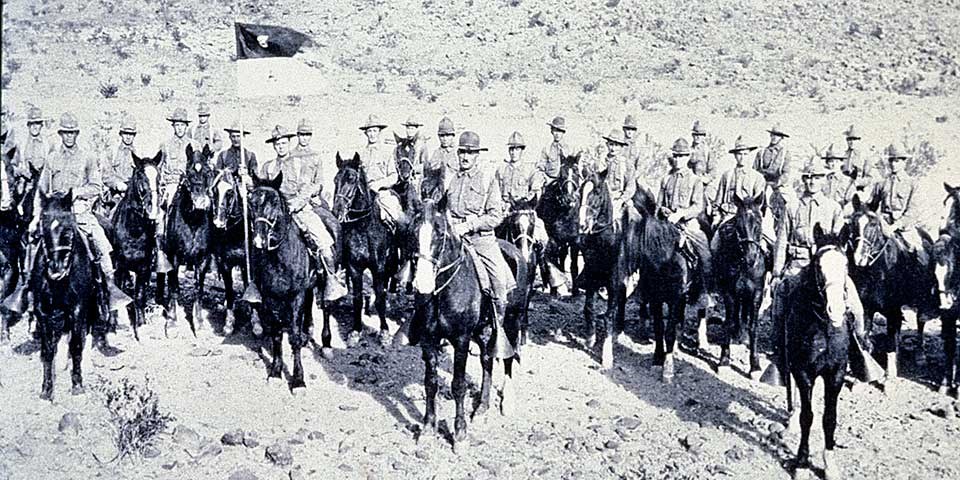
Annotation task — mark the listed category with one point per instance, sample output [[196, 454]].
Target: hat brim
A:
[[742, 149], [472, 149], [778, 133], [698, 133], [368, 127], [629, 127], [127, 130], [679, 154], [409, 124], [304, 132], [285, 135], [446, 132], [556, 127], [516, 145], [899, 157], [853, 137], [614, 140], [68, 130], [233, 130], [31, 121], [175, 120]]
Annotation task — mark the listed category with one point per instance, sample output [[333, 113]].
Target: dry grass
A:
[[109, 89], [135, 413]]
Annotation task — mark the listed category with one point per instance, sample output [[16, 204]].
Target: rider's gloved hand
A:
[[460, 228]]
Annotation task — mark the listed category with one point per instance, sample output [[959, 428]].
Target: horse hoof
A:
[[606, 357], [4, 338], [385, 338], [793, 424], [353, 339], [326, 353], [944, 389], [77, 390], [48, 396], [667, 374], [298, 391], [591, 341], [507, 400], [892, 365], [274, 380], [480, 414], [755, 375], [623, 339], [228, 323], [559, 336], [830, 469]]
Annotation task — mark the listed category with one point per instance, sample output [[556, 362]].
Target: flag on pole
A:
[[260, 41], [265, 66]]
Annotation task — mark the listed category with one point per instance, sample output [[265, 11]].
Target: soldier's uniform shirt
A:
[[700, 153], [447, 159], [174, 161], [836, 187], [896, 196], [204, 134], [620, 177], [741, 182], [550, 157], [515, 180], [380, 167], [229, 160], [32, 153], [474, 199], [297, 193], [311, 172], [795, 240], [119, 167], [853, 160], [681, 191], [773, 162], [635, 153]]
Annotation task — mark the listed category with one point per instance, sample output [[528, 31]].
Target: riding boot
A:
[[18, 301], [502, 348], [336, 288]]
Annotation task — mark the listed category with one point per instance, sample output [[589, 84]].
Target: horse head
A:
[[747, 223], [596, 204], [864, 233], [226, 199], [59, 231], [350, 192], [437, 250], [404, 154], [520, 225], [142, 189], [829, 268], [570, 179], [944, 270], [951, 218], [197, 177], [269, 212]]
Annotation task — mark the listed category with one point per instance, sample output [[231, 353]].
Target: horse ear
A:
[[156, 158], [190, 152], [339, 161], [206, 153], [356, 158], [442, 204], [818, 235], [11, 153], [738, 201], [857, 204], [276, 182], [397, 138], [137, 161], [874, 204]]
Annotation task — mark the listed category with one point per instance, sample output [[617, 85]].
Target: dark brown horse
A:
[[13, 238], [946, 261], [450, 306], [558, 209], [367, 243], [740, 265], [888, 277], [518, 229]]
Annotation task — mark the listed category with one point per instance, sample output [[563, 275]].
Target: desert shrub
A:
[[145, 79], [202, 62], [294, 100], [109, 89], [166, 94], [380, 85], [5, 80], [418, 91], [135, 413], [923, 155]]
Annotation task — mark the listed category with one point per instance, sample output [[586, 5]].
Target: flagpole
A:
[[252, 295]]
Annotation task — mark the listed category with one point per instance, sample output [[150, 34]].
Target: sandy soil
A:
[[494, 67]]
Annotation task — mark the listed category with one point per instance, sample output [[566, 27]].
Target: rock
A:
[[348, 408], [279, 454], [593, 403], [209, 449], [422, 455], [171, 465], [232, 438], [316, 435], [343, 467], [491, 467], [69, 423], [693, 443], [611, 444], [737, 453], [199, 352], [344, 447], [630, 423], [298, 438], [251, 439], [151, 451], [186, 437], [537, 437], [296, 474], [776, 428], [242, 474], [541, 471]]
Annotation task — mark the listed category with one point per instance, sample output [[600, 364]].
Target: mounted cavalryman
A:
[[548, 165], [204, 133], [119, 166], [229, 159], [312, 170], [516, 178], [854, 164], [298, 192], [173, 163], [381, 171], [897, 202], [33, 150], [412, 127], [774, 163], [620, 177], [444, 158], [70, 168], [836, 183], [740, 182]]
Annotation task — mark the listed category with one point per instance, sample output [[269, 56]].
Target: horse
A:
[[888, 277], [449, 306], [133, 233], [601, 231], [227, 238], [367, 243], [558, 207], [518, 229], [65, 290], [740, 265], [285, 275], [946, 255], [817, 341], [408, 192], [187, 238], [665, 279], [13, 248]]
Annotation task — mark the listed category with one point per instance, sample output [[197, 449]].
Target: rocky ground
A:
[[494, 67]]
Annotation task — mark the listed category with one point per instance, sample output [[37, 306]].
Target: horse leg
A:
[[326, 335], [674, 320], [380, 289], [276, 343], [588, 317], [296, 338], [656, 313], [561, 261], [49, 339], [77, 338], [610, 320], [356, 282], [430, 386], [226, 276], [731, 318], [507, 400], [199, 274], [805, 385], [574, 269], [894, 324], [620, 325], [949, 334], [752, 320], [460, 351], [173, 295], [486, 364], [920, 356], [833, 383]]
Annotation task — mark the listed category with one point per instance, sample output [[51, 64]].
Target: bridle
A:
[[349, 197], [872, 254], [51, 254], [595, 212], [271, 226], [235, 215], [524, 235]]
